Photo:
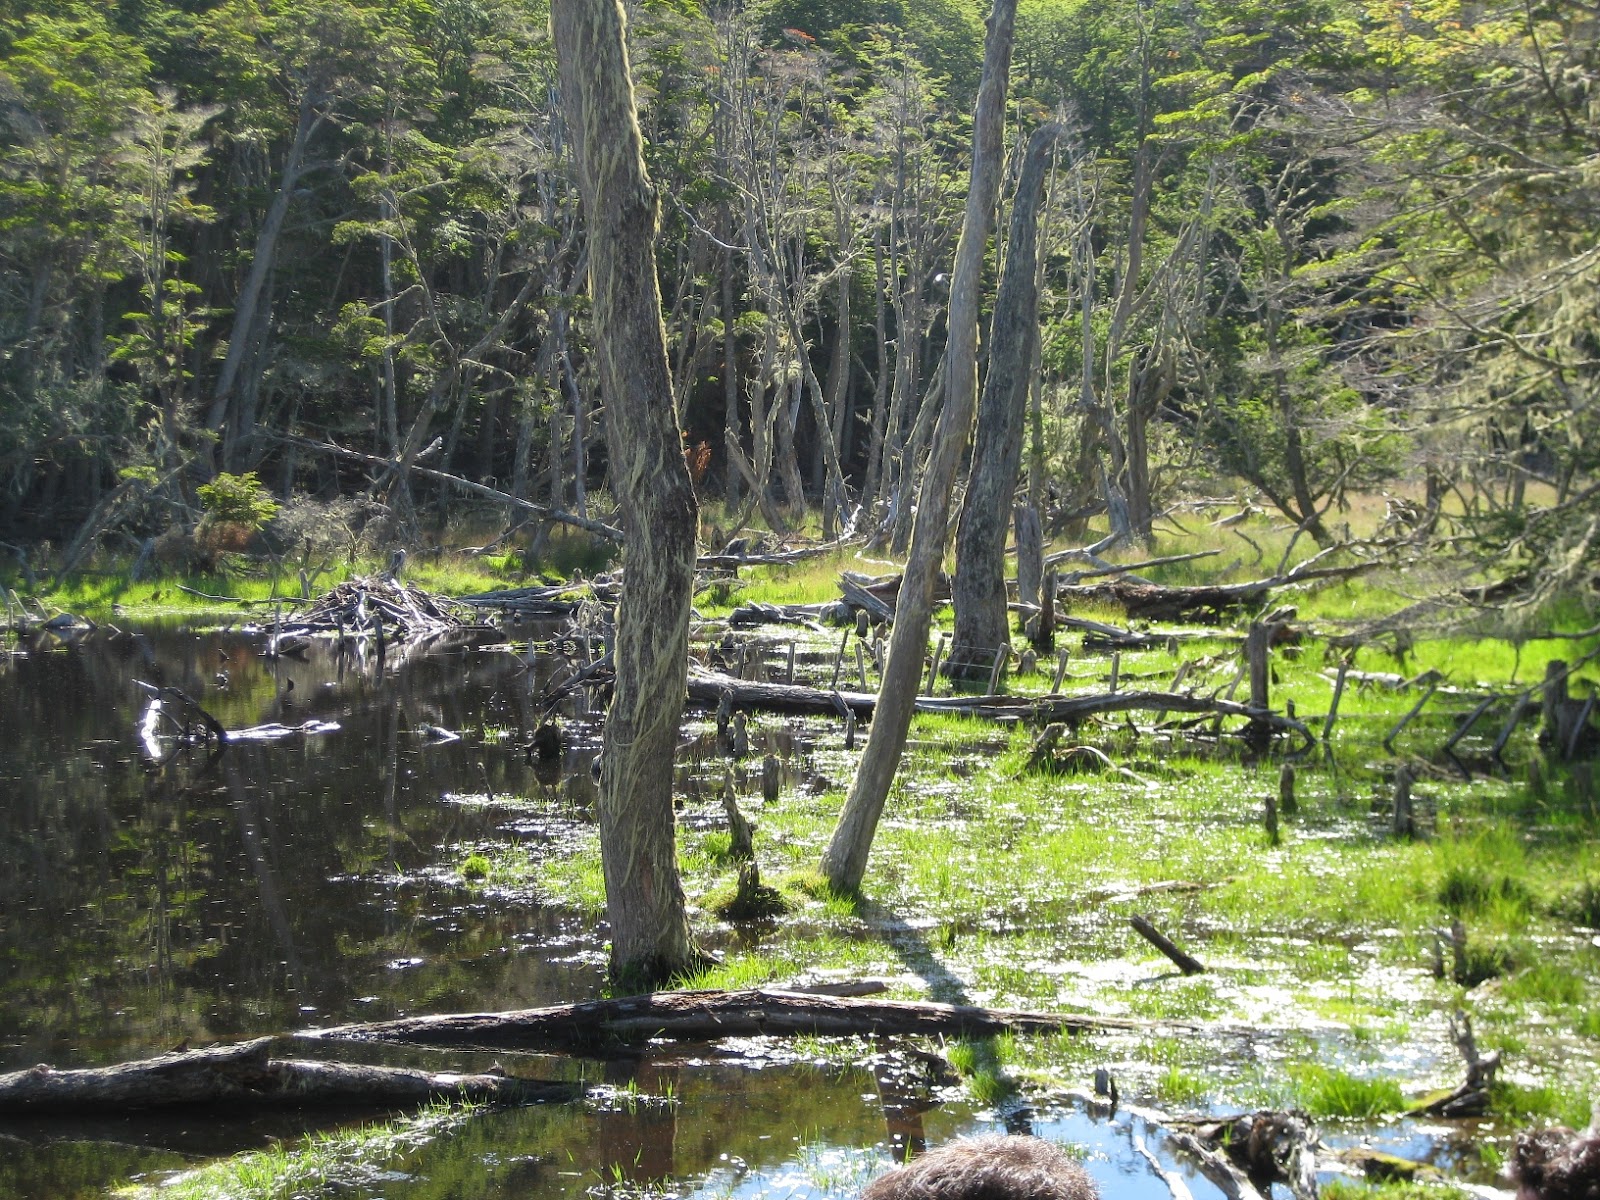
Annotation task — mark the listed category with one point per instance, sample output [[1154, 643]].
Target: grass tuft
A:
[[1325, 1092], [316, 1164]]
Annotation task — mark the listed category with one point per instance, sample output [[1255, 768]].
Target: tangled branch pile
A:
[[377, 606]]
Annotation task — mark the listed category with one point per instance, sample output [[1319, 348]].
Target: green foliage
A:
[[237, 499], [1326, 1092], [1347, 1189]]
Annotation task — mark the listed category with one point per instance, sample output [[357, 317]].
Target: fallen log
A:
[[879, 594], [546, 603], [1097, 635], [243, 1076], [1100, 566], [858, 596], [707, 688], [710, 1015], [731, 559], [1156, 602], [754, 615]]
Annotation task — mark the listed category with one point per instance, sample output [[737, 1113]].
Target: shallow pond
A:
[[152, 900]]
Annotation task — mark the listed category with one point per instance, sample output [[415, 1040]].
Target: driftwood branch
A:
[[710, 1015], [1184, 961], [244, 1076]]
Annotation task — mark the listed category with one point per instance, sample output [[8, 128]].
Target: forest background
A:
[[1320, 248]]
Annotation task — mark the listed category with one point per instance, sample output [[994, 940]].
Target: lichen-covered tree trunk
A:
[[979, 588], [644, 896], [845, 860]]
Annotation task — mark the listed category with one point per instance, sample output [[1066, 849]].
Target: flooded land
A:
[[386, 845]]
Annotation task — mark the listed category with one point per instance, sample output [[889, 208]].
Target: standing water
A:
[[154, 897]]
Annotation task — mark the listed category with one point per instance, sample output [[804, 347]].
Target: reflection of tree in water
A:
[[272, 887]]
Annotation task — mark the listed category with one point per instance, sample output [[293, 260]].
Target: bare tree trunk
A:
[[979, 588], [838, 404], [880, 385], [244, 311], [730, 387], [845, 860], [644, 895], [788, 410]]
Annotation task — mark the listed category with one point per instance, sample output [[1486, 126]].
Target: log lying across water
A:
[[244, 1076], [708, 687], [710, 1015]]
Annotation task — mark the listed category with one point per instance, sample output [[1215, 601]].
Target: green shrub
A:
[[237, 500]]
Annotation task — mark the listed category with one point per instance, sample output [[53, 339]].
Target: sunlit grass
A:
[[1349, 1189], [1326, 1092], [320, 1162]]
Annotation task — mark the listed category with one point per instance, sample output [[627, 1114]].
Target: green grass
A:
[[319, 1163], [1567, 1104], [1179, 1087], [981, 1063], [1325, 1092], [1349, 1189]]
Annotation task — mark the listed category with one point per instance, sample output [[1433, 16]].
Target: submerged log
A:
[[710, 1015], [243, 1076]]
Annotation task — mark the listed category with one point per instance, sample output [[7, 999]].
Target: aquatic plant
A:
[[1327, 1092]]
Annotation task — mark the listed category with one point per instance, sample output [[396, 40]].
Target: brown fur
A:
[[987, 1168], [1556, 1164]]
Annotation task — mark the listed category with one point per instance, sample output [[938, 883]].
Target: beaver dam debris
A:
[[378, 607]]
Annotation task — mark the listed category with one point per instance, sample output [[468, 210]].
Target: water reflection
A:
[[144, 903]]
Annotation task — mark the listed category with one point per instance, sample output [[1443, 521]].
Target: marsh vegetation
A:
[[373, 870]]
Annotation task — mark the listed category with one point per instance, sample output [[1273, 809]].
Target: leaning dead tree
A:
[[644, 895], [979, 587], [844, 863]]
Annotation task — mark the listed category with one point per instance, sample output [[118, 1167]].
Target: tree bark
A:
[[845, 860], [979, 587], [644, 895], [242, 1076], [709, 1016]]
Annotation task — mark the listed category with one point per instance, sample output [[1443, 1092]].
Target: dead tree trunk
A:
[[644, 895], [1030, 553], [845, 860], [979, 587], [224, 394]]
